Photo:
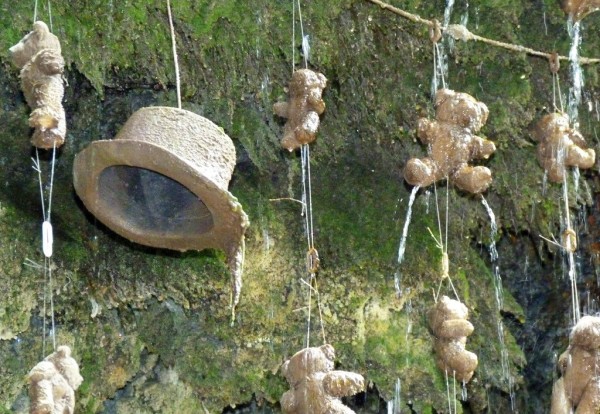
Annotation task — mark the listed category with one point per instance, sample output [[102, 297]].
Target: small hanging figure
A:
[[303, 108], [561, 146], [578, 389], [452, 144], [450, 327], [52, 383], [38, 55], [315, 387]]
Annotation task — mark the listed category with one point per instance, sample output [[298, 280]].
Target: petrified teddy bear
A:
[[450, 327], [315, 386], [52, 383], [451, 144], [561, 146], [578, 390], [303, 108], [39, 56]]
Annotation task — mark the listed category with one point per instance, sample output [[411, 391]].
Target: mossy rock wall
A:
[[151, 328]]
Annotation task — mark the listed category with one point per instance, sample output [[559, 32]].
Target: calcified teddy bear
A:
[[315, 387], [561, 146], [452, 144], [303, 108], [450, 327], [39, 56], [52, 383], [578, 390]]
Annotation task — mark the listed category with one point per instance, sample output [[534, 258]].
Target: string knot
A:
[[435, 31], [569, 240], [312, 261], [554, 62]]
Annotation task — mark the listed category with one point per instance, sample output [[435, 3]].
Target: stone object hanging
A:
[[578, 9], [315, 387], [561, 146], [450, 327], [578, 389], [39, 56], [303, 108], [52, 383], [452, 144], [162, 182]]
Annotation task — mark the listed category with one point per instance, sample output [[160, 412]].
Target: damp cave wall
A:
[[151, 329]]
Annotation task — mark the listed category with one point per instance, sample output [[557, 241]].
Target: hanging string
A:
[[175, 60], [312, 256], [460, 32], [554, 68], [35, 11], [50, 15]]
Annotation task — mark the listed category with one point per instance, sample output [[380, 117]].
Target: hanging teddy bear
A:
[[315, 387], [451, 144], [578, 389], [38, 55], [52, 383], [303, 108], [450, 327], [561, 146]]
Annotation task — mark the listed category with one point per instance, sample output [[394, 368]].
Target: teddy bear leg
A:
[[337, 407], [560, 402], [590, 401], [421, 172], [582, 158], [41, 397], [308, 128], [289, 141], [473, 179]]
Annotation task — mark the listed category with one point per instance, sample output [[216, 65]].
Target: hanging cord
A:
[[554, 68], [312, 255], [47, 242], [443, 245], [460, 32], [570, 245], [175, 60]]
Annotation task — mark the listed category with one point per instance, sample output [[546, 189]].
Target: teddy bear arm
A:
[[424, 130], [590, 400], [481, 147], [281, 109], [289, 403], [343, 383], [560, 402], [579, 157], [315, 102], [454, 328]]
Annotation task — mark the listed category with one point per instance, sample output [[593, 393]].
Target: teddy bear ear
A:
[[40, 28], [442, 94], [64, 351], [328, 350], [284, 367]]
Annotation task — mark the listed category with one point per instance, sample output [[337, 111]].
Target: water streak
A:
[[402, 247], [394, 405], [576, 72], [499, 293]]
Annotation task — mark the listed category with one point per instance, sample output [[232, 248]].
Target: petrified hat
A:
[[162, 182]]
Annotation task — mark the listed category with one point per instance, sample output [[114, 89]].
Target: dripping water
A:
[[499, 293], [402, 247], [393, 405], [574, 29]]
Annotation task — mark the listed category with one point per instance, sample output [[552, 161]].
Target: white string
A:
[[50, 15], [35, 7], [571, 256], [293, 36], [302, 32], [177, 80]]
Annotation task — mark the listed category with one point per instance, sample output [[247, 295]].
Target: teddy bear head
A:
[[66, 366], [305, 82], [586, 334], [38, 39], [447, 309], [308, 361], [551, 126], [460, 109]]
